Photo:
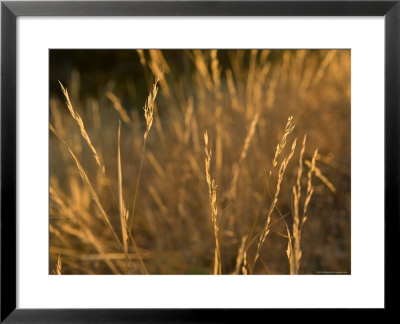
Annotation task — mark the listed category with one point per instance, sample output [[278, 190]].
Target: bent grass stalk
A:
[[318, 174], [81, 125]]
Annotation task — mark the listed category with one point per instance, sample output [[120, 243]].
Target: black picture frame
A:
[[10, 10]]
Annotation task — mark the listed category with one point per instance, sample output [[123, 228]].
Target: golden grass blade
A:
[[310, 188], [232, 90], [241, 254], [159, 66], [296, 253], [142, 58], [271, 94], [201, 64], [156, 165], [118, 107], [322, 68], [157, 199], [324, 179], [212, 194], [188, 121], [81, 125], [300, 169], [96, 115], [243, 155], [288, 129], [123, 212], [59, 266], [149, 108], [290, 254], [215, 71], [251, 76], [244, 267], [138, 253], [94, 257]]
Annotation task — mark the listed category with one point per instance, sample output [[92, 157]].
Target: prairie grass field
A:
[[200, 161]]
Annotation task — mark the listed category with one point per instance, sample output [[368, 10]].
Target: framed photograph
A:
[[164, 158]]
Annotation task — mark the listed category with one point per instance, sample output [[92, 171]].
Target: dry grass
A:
[[293, 251], [118, 107], [212, 194], [129, 199], [288, 129], [81, 125], [59, 266], [123, 211]]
